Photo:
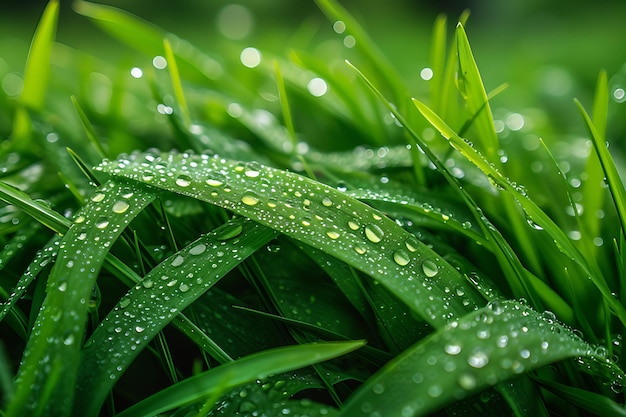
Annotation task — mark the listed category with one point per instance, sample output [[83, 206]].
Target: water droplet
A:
[[62, 287], [124, 302], [147, 283], [360, 249], [178, 261], [98, 197], [198, 249], [139, 329], [374, 233], [183, 287], [327, 202], [229, 231], [478, 359], [250, 199], [120, 207], [452, 348], [102, 223], [147, 176], [412, 244], [68, 340], [401, 257], [251, 173], [430, 268], [333, 234], [467, 381], [183, 180], [353, 225], [214, 183]]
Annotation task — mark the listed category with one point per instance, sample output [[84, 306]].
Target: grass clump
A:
[[306, 237]]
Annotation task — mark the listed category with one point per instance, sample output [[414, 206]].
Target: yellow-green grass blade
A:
[[317, 215], [481, 350], [177, 83], [534, 213], [36, 75], [149, 306], [59, 327], [247, 369]]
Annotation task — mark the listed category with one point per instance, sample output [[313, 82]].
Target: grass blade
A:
[[36, 74], [471, 350], [532, 210], [318, 215], [60, 324], [247, 369], [177, 83], [174, 284]]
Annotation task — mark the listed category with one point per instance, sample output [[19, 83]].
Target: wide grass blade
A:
[[167, 289], [484, 348], [60, 324], [247, 369], [318, 215], [36, 75]]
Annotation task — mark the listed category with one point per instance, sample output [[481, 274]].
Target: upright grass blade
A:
[[318, 215], [535, 214], [177, 83], [247, 369], [89, 129], [482, 349], [36, 75], [148, 307], [47, 375], [615, 184]]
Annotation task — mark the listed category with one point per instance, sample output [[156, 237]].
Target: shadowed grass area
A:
[[311, 233]]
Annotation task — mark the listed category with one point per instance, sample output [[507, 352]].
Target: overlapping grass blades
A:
[[47, 375], [484, 348], [317, 215]]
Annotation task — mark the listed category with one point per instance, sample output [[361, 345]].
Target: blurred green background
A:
[[548, 51]]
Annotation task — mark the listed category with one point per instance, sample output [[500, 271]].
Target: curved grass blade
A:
[[595, 403], [535, 214], [36, 74], [163, 293], [317, 215], [59, 326], [247, 369], [484, 348]]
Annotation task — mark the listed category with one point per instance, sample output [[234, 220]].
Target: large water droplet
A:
[[401, 257], [374, 233], [250, 199], [183, 180], [333, 234], [412, 244], [98, 197], [120, 207], [102, 223], [430, 268], [478, 359]]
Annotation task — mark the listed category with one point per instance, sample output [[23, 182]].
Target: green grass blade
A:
[[89, 129], [615, 184], [472, 352], [535, 214], [230, 375], [592, 402], [177, 83], [36, 74], [169, 288], [318, 215], [60, 324], [471, 86], [43, 214]]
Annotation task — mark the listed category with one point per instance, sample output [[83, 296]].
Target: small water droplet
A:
[[360, 249], [467, 381], [139, 329], [452, 348], [327, 202], [183, 287], [147, 176], [98, 197], [178, 261], [374, 233], [478, 359], [430, 268], [124, 302], [353, 225], [214, 183], [147, 283]]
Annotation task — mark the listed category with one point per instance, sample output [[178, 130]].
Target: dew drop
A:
[[361, 250], [178, 261], [333, 234], [120, 207], [69, 340], [430, 268], [183, 180], [327, 202], [102, 223], [139, 329], [98, 197], [198, 249], [374, 233], [353, 225], [125, 303], [412, 244], [452, 348], [147, 176], [147, 283], [229, 231], [214, 183], [478, 359], [467, 381], [250, 200], [401, 257], [62, 287], [183, 287], [251, 173]]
